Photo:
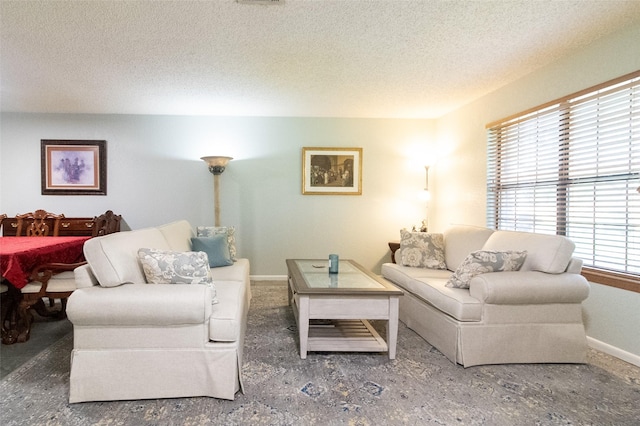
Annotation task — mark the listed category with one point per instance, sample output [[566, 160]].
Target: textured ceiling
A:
[[331, 58]]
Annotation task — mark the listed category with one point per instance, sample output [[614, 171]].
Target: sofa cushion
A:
[[216, 247], [430, 286], [460, 240], [178, 235], [483, 261], [225, 321], [84, 277], [229, 231], [239, 271], [545, 253], [114, 258], [422, 250]]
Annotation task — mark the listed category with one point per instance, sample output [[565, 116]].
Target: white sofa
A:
[[533, 315], [134, 340]]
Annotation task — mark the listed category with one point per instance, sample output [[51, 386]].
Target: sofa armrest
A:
[[140, 305], [529, 288], [84, 277], [574, 266]]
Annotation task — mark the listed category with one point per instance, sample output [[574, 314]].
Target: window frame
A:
[[618, 279]]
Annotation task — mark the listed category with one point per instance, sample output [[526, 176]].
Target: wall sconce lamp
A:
[[427, 196], [426, 183], [424, 197], [216, 165]]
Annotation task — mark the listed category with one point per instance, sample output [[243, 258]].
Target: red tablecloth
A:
[[20, 255]]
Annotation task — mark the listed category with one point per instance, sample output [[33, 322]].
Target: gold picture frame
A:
[[332, 171]]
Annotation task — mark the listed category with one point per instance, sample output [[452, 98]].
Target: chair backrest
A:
[[36, 224], [2, 218], [106, 223]]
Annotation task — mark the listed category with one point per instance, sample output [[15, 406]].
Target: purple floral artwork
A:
[[73, 168]]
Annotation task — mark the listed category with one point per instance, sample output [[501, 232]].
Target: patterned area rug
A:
[[420, 387]]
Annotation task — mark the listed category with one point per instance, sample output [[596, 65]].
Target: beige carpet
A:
[[419, 387]]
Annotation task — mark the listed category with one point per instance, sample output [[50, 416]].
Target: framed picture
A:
[[73, 167], [332, 171]]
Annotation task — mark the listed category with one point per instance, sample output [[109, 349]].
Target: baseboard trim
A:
[[613, 351], [268, 277]]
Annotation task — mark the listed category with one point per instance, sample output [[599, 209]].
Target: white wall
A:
[[611, 315], [155, 175]]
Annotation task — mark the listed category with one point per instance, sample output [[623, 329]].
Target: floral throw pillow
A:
[[170, 267], [230, 231], [422, 250], [483, 261]]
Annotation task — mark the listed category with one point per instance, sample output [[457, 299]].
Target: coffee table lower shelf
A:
[[344, 336]]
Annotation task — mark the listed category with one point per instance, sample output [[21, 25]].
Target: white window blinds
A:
[[572, 167]]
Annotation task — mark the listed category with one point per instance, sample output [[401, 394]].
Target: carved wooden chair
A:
[[106, 223], [2, 218], [51, 280], [36, 224], [7, 308], [4, 297]]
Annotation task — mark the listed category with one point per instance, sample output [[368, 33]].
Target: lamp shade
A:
[[216, 163]]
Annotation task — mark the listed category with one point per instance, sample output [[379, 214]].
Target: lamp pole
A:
[[216, 198], [216, 165]]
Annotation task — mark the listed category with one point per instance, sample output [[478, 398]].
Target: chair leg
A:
[[62, 313], [24, 321], [10, 301], [40, 307], [5, 312]]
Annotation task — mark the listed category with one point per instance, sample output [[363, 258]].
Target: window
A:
[[572, 167]]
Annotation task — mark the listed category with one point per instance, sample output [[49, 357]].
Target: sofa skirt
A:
[[130, 374], [431, 324], [477, 343]]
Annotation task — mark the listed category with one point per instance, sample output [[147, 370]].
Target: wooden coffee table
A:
[[331, 310]]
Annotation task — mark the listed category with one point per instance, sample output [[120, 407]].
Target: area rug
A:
[[420, 387]]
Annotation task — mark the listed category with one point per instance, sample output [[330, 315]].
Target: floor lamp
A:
[[216, 167]]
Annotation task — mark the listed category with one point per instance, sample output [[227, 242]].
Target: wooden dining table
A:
[[19, 256]]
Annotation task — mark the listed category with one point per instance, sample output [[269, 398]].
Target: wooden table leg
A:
[[10, 301], [303, 325], [392, 326]]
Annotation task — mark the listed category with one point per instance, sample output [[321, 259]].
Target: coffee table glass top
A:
[[350, 277]]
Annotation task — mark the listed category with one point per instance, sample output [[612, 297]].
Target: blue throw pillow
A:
[[216, 247]]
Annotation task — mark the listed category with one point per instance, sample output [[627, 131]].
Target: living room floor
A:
[[44, 332]]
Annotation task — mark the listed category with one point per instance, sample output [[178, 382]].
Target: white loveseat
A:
[[134, 340], [533, 315]]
